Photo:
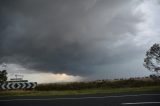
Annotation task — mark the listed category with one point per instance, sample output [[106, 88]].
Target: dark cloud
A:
[[71, 36]]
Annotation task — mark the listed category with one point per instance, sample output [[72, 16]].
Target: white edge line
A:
[[138, 103], [48, 99]]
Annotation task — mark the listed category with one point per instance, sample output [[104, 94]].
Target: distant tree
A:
[[152, 59], [3, 76]]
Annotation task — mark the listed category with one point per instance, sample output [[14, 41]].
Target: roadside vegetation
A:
[[107, 84], [99, 86], [80, 92]]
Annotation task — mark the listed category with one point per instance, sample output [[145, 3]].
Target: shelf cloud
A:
[[76, 37]]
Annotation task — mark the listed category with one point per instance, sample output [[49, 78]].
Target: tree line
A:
[[3, 76]]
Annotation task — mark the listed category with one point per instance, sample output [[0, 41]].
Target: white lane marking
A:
[[138, 103], [48, 99]]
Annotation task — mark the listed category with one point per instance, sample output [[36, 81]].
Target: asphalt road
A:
[[141, 99]]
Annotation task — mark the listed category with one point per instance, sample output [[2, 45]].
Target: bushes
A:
[[3, 76], [97, 84]]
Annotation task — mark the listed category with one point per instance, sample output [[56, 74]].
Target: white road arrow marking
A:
[[3, 86], [18, 85], [13, 85], [29, 85], [8, 86], [23, 85], [34, 84]]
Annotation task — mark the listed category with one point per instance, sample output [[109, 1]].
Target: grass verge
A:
[[82, 91]]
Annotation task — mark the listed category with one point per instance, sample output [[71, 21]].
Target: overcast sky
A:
[[80, 39]]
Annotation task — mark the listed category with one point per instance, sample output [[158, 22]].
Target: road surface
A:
[[139, 99]]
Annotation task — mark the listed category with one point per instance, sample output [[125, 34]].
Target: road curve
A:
[[139, 99]]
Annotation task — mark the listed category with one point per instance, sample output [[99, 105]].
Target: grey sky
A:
[[91, 38]]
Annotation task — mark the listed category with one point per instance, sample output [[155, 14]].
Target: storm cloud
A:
[[76, 37]]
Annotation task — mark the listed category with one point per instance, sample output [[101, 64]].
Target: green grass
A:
[[93, 87], [97, 84], [82, 91]]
